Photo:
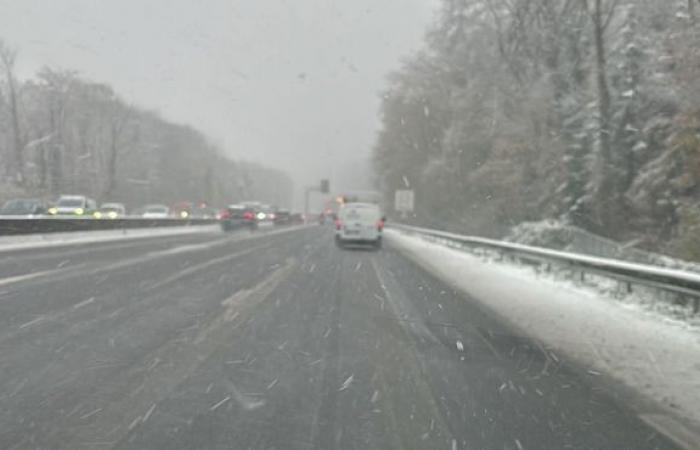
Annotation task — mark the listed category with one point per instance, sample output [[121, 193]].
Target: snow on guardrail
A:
[[680, 282]]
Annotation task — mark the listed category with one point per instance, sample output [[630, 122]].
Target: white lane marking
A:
[[90, 414], [148, 413], [401, 306], [135, 422], [257, 293], [27, 276], [196, 268], [347, 383], [31, 322], [84, 302], [189, 248], [213, 408]]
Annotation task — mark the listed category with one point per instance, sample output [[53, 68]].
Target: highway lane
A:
[[277, 341]]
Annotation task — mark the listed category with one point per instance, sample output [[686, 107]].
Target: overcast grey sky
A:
[[290, 83]]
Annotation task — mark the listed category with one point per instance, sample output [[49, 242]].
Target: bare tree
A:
[[8, 57], [606, 199], [118, 126]]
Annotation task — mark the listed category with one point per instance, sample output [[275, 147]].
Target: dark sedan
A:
[[23, 207], [235, 217]]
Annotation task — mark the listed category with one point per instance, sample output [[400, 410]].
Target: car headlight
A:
[[53, 211], [112, 215], [79, 211], [261, 215], [98, 215], [184, 214]]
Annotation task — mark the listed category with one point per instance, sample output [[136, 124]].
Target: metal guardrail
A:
[[17, 226], [676, 281]]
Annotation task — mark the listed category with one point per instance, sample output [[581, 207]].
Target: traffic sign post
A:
[[404, 201]]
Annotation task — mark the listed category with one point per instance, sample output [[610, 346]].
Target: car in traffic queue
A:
[[23, 207], [204, 211], [155, 211], [236, 217], [282, 217], [359, 223], [73, 205], [110, 211], [189, 210], [264, 213], [265, 217], [182, 210]]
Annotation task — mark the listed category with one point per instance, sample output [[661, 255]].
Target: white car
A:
[[110, 211], [155, 212], [359, 223], [73, 205]]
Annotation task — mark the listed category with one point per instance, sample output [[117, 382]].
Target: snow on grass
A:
[[28, 241], [649, 349]]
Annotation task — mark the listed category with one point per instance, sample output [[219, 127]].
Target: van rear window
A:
[[363, 214]]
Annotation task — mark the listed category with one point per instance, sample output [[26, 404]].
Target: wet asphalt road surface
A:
[[276, 341]]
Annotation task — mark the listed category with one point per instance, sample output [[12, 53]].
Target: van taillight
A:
[[338, 224], [224, 214], [380, 225]]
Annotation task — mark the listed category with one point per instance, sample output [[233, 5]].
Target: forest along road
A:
[[276, 340]]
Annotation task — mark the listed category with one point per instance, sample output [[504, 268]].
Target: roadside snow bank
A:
[[28, 241], [654, 355]]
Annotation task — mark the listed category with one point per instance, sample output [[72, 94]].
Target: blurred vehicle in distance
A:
[[110, 211], [235, 217], [282, 217], [23, 207], [296, 219], [265, 216], [203, 210], [182, 210], [155, 212], [255, 205], [73, 205], [359, 223]]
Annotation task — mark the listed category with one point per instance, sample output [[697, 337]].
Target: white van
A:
[[74, 205], [359, 223]]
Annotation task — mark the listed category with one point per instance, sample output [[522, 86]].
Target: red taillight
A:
[[380, 225], [224, 214], [338, 224], [248, 215]]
